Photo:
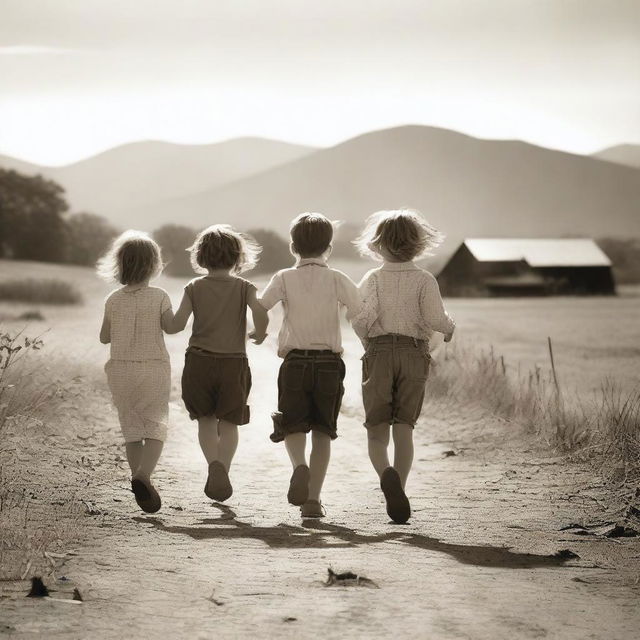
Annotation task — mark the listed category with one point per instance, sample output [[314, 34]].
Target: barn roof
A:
[[539, 252]]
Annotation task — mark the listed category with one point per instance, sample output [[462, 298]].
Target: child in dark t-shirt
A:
[[216, 379]]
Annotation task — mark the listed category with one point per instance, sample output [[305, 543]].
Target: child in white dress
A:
[[138, 372]]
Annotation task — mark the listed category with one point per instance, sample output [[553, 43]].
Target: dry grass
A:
[[45, 291], [29, 399], [30, 538], [604, 426]]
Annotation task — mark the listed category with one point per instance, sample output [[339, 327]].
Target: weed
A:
[[606, 425]]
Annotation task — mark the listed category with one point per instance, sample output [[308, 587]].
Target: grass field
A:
[[594, 338]]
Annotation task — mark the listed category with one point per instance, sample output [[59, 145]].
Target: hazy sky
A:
[[79, 76]]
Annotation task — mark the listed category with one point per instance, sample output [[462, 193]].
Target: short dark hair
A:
[[311, 234], [132, 258], [220, 246]]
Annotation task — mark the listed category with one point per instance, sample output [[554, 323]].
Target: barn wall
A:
[[579, 280], [461, 275], [464, 276]]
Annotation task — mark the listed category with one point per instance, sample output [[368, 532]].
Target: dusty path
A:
[[252, 567]]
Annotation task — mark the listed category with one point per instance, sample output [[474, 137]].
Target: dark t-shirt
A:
[[219, 313]]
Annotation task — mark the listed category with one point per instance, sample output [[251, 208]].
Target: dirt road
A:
[[478, 559]]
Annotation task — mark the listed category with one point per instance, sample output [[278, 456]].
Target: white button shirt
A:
[[312, 295]]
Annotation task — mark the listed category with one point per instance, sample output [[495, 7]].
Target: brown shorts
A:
[[394, 375], [310, 393], [216, 384]]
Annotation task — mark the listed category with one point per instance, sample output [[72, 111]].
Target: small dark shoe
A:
[[312, 509], [299, 486], [218, 486], [398, 506], [146, 495]]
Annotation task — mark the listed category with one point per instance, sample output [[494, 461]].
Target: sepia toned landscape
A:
[[512, 127]]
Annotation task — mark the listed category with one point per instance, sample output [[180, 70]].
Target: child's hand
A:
[[448, 337], [257, 339]]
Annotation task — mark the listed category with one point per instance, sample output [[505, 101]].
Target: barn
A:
[[527, 267]]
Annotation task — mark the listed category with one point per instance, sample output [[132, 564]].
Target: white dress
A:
[[139, 371]]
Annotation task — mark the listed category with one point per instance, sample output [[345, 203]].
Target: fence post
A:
[[553, 367]]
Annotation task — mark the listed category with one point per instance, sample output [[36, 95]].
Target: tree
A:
[[89, 237], [624, 254], [174, 240], [32, 226], [275, 251]]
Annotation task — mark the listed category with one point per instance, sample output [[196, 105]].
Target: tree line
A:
[[35, 224]]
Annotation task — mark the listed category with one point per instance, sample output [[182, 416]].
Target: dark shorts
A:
[[216, 384], [394, 375], [310, 393]]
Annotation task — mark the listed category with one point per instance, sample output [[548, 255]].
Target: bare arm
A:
[[179, 320], [260, 318], [166, 313], [105, 330], [166, 321]]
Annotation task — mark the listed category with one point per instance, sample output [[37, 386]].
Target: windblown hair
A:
[[311, 234], [132, 258], [404, 234], [220, 246]]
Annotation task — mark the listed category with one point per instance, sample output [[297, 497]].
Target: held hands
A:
[[257, 339]]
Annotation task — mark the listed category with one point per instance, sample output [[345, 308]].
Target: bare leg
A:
[[318, 463], [378, 445], [227, 443], [403, 450], [134, 454], [295, 444], [208, 437], [151, 450]]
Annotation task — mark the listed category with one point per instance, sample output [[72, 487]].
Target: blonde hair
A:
[[132, 258], [220, 246], [404, 234]]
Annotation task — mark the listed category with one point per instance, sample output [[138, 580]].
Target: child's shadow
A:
[[313, 534]]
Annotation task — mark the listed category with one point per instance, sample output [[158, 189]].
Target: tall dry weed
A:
[[605, 425]]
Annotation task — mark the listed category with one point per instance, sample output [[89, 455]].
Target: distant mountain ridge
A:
[[626, 154], [141, 173], [465, 186]]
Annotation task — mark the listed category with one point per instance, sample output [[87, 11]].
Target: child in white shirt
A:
[[310, 386]]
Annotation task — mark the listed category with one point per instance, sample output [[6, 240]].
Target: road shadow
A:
[[315, 534]]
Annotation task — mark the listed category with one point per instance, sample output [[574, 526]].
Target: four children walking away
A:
[[401, 306], [310, 379], [397, 307]]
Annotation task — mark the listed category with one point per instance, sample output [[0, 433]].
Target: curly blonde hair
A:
[[132, 258], [403, 234], [220, 246]]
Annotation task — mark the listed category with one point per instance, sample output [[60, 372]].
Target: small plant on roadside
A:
[[13, 349]]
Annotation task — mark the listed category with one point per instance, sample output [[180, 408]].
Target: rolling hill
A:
[[465, 186], [141, 173], [626, 154]]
